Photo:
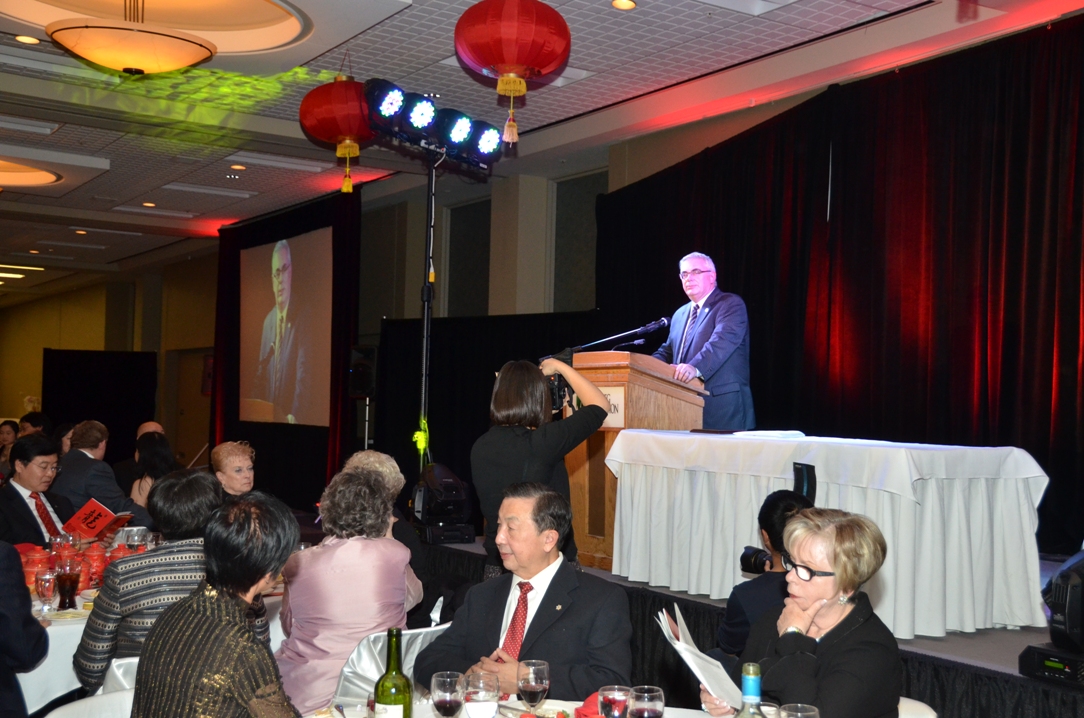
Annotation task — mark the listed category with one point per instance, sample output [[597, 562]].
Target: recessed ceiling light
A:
[[623, 4], [27, 40], [34, 251], [233, 176], [80, 231], [9, 275], [149, 204], [238, 167]]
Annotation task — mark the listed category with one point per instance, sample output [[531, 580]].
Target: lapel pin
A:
[[558, 607]]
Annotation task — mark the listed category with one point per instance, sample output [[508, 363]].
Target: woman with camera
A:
[[525, 445]]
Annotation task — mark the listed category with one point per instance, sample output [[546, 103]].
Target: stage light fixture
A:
[[417, 117], [452, 129], [484, 147], [385, 101]]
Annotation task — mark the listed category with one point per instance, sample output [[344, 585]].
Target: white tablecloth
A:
[[55, 676], [960, 521]]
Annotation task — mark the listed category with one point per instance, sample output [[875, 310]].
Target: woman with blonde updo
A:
[[825, 646], [232, 462]]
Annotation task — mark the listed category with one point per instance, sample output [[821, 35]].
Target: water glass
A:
[[613, 701], [480, 694], [446, 689], [45, 585], [136, 537], [770, 710], [533, 679], [646, 702], [61, 540], [799, 710]]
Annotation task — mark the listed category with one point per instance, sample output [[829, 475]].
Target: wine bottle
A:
[[393, 690], [750, 691]]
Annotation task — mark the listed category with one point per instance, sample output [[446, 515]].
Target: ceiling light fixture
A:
[[13, 174], [27, 40], [130, 45], [9, 275], [239, 168], [34, 251], [80, 231], [623, 4], [16, 266], [149, 204]]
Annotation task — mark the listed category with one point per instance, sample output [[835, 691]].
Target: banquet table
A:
[[959, 521], [55, 676]]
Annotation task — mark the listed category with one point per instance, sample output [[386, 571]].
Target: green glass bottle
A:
[[393, 691], [750, 691]]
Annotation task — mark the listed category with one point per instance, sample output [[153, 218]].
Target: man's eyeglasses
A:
[[48, 468], [803, 572], [694, 273], [277, 274]]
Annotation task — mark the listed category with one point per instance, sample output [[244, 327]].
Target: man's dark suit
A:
[[719, 349], [581, 627], [23, 641], [283, 382], [83, 478], [19, 525]]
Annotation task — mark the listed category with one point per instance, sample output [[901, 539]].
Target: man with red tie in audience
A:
[[543, 610], [709, 341], [29, 511], [84, 475]]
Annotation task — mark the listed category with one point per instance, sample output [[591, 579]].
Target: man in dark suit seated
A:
[[23, 641], [29, 511], [85, 476], [543, 610]]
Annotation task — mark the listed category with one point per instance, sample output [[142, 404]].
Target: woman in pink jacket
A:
[[357, 582]]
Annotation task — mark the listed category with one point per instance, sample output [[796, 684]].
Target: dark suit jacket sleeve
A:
[[608, 652], [730, 324], [301, 381], [102, 485], [23, 641], [451, 651], [666, 351], [734, 631]]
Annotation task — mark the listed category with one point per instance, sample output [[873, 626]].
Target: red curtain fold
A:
[[932, 290]]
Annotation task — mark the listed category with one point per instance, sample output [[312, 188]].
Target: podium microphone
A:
[[658, 324]]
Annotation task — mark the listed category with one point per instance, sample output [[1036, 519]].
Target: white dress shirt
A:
[[540, 583], [25, 493]]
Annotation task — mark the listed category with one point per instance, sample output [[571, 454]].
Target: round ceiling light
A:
[[27, 39], [132, 47], [623, 4], [16, 175]]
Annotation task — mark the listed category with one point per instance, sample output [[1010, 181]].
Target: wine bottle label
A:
[[383, 710]]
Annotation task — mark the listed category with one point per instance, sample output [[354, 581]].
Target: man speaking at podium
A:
[[709, 340]]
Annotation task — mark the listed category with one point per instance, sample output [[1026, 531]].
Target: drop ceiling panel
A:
[[53, 240]]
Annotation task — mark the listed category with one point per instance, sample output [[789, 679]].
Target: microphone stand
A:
[[566, 355]]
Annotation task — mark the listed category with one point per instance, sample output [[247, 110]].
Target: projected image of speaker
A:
[[285, 357]]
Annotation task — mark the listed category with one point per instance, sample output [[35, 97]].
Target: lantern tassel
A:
[[511, 131], [348, 184]]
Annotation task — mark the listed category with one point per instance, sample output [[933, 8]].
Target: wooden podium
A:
[[643, 395]]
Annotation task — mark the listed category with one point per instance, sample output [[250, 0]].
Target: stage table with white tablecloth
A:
[[959, 521]]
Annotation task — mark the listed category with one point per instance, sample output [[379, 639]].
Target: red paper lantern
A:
[[513, 41], [337, 113]]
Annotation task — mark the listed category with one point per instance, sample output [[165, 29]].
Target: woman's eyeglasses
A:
[[803, 572]]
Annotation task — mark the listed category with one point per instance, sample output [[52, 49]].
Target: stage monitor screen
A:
[[286, 330]]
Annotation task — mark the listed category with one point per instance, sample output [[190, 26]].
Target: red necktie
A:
[[685, 337], [43, 514], [514, 638]]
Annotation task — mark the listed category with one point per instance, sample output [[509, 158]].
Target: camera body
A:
[[753, 559], [559, 391]]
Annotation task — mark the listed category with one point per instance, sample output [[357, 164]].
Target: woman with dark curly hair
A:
[[356, 582]]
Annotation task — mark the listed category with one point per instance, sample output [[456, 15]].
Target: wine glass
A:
[[613, 701], [799, 710], [135, 538], [154, 540], [533, 679], [480, 694], [45, 585], [446, 689], [646, 702]]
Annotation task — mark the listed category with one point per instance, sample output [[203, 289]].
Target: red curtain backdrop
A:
[[909, 247]]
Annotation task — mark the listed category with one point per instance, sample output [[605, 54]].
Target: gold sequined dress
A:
[[201, 658]]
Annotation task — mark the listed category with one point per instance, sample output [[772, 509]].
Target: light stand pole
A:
[[421, 436]]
